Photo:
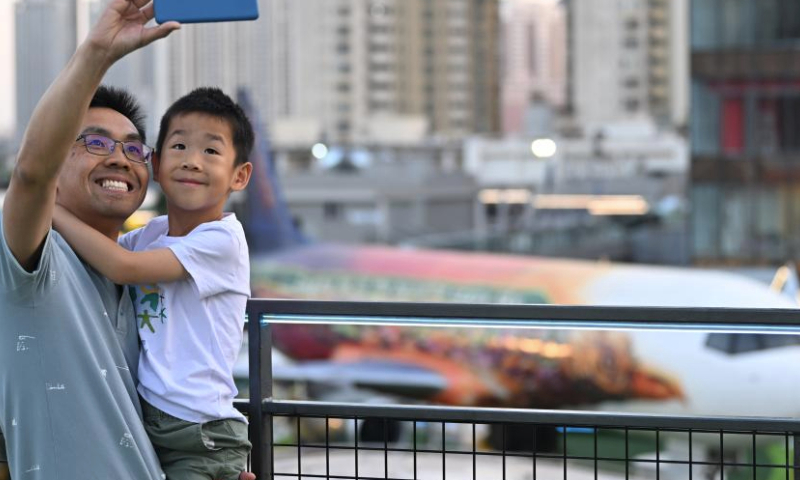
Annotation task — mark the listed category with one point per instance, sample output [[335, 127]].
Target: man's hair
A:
[[120, 101], [212, 101]]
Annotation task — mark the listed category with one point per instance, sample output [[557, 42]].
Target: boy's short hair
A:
[[212, 101], [121, 101]]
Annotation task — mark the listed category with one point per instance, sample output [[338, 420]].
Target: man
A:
[[68, 403]]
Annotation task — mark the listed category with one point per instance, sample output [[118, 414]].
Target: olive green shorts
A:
[[215, 450]]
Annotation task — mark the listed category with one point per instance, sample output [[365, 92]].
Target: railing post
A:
[[260, 342], [796, 466]]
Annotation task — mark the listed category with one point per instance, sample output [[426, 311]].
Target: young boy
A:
[[189, 280]]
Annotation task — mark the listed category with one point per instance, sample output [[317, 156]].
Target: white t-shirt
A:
[[191, 330]]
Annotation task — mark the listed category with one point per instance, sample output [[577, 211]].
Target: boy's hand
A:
[[60, 215], [247, 476], [121, 28]]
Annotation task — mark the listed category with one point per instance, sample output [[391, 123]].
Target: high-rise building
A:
[[41, 53], [228, 55], [745, 131], [533, 49], [135, 72], [365, 71], [628, 61]]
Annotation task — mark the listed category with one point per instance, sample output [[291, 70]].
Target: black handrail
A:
[[262, 407]]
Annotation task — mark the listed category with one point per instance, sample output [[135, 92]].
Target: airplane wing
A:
[[381, 376], [385, 377]]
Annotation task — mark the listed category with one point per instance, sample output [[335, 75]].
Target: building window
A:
[[331, 211], [789, 124], [631, 82], [632, 105], [532, 49], [789, 20], [733, 126], [380, 86], [777, 125]]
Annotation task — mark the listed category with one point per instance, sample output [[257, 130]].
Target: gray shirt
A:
[[68, 348]]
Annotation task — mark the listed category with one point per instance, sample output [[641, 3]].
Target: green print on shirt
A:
[[149, 305], [151, 296], [145, 316]]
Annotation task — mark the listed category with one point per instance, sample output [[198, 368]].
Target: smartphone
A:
[[199, 11]]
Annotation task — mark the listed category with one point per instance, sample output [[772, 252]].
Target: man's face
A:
[[100, 188]]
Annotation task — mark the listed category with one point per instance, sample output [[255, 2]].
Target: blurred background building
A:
[[41, 52], [438, 88], [745, 131], [533, 60], [628, 59], [229, 55], [382, 71]]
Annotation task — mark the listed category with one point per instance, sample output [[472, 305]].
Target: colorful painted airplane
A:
[[675, 372]]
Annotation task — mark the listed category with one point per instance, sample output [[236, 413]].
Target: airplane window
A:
[[776, 341], [720, 341], [746, 342], [736, 343]]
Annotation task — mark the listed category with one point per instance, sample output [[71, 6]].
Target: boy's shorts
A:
[[215, 450]]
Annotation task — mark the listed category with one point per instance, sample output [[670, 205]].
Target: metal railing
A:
[[585, 444]]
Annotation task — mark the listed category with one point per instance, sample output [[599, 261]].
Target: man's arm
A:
[[112, 260], [54, 124]]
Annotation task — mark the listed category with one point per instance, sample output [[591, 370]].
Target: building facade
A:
[[228, 55], [533, 42], [745, 131], [349, 71], [628, 60], [41, 53], [387, 204]]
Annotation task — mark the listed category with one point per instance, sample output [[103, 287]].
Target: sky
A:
[[6, 65]]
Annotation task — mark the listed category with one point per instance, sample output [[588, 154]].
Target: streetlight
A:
[[543, 148], [319, 151]]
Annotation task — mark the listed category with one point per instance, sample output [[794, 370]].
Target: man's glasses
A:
[[134, 150]]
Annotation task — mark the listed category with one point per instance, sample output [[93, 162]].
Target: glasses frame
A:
[[146, 150]]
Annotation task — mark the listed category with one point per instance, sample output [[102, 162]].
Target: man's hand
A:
[[121, 28], [56, 121]]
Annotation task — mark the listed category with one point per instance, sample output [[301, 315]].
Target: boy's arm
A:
[[54, 124], [112, 260]]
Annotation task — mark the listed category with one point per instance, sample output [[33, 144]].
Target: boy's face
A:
[[195, 167]]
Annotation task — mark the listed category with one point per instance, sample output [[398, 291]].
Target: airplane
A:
[[692, 372]]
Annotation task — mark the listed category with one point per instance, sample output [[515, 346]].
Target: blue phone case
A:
[[197, 11]]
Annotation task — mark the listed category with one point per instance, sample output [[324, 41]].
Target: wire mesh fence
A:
[[409, 443], [312, 439]]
